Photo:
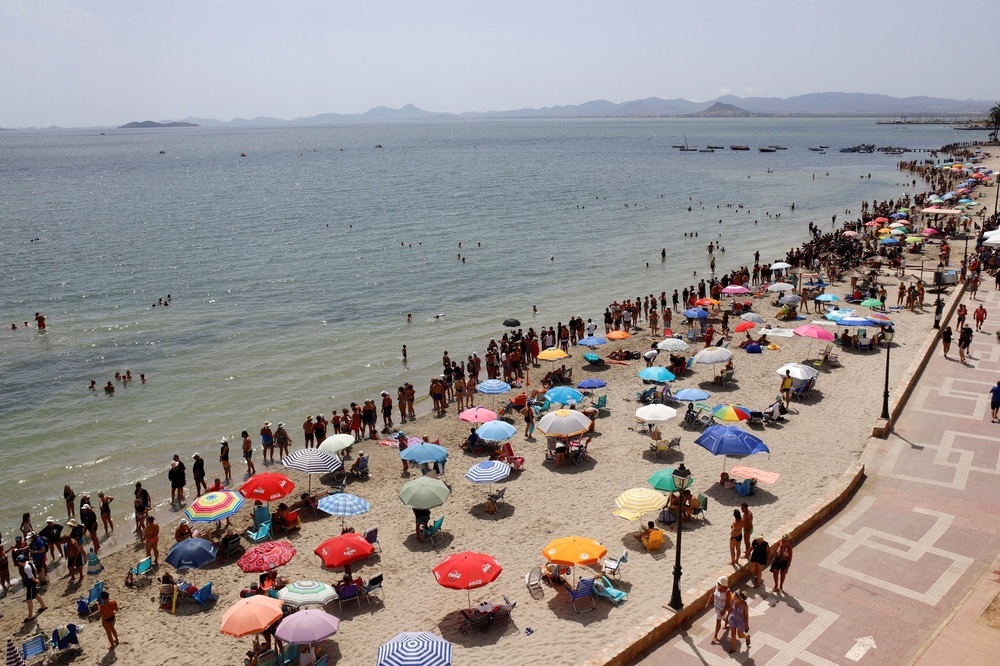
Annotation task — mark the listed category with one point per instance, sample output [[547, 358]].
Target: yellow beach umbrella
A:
[[574, 551], [641, 500], [552, 354]]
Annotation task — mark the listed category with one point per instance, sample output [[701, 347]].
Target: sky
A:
[[103, 62]]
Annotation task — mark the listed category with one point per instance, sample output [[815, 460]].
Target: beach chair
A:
[[533, 580], [613, 567], [143, 568], [539, 409], [702, 507], [291, 522], [584, 589], [668, 396], [262, 532], [168, 600], [349, 592], [477, 620], [605, 590], [645, 397], [601, 404], [362, 471], [261, 515], [204, 595], [654, 541], [88, 605], [705, 416], [504, 610], [664, 446], [266, 658], [231, 545], [508, 456], [579, 454], [374, 586], [64, 638], [371, 536], [690, 364], [36, 646], [727, 376], [434, 529], [497, 497]]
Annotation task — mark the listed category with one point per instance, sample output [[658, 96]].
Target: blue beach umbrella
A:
[[191, 554], [692, 395], [828, 298], [424, 453], [656, 373], [488, 471], [696, 313], [415, 649], [854, 321], [492, 387], [343, 505], [564, 395], [720, 440], [496, 431], [592, 358], [888, 241], [592, 383], [592, 341]]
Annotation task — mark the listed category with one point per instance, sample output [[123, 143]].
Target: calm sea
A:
[[292, 269]]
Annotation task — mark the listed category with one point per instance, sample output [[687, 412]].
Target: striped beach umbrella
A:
[[492, 387], [307, 593], [343, 505], [312, 461], [754, 317], [415, 649], [564, 423], [94, 566], [214, 506], [14, 655], [488, 471], [731, 413], [641, 500], [266, 556]]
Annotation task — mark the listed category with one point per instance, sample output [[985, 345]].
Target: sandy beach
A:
[[822, 436]]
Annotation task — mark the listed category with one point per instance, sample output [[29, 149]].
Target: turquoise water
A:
[[292, 269]]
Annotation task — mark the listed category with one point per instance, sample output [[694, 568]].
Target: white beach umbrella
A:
[[713, 355], [780, 265], [754, 317], [655, 414], [780, 286], [798, 371], [564, 423], [672, 345]]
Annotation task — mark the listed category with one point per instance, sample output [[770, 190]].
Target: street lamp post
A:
[[885, 395], [682, 479]]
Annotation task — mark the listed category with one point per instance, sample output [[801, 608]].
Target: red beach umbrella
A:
[[267, 487], [745, 326], [341, 551], [266, 556], [467, 571]]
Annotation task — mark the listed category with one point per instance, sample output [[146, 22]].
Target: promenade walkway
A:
[[902, 573]]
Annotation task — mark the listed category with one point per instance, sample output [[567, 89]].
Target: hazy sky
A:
[[105, 62]]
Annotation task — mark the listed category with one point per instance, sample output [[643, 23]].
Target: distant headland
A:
[[149, 124]]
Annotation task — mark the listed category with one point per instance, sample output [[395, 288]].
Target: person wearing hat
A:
[[29, 576], [183, 531], [267, 441], [89, 519], [51, 533], [308, 431], [722, 600], [38, 548], [224, 459], [73, 552], [282, 440], [198, 472]]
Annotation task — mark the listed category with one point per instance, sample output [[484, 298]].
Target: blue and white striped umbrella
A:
[[14, 657], [312, 461], [493, 387], [415, 649], [344, 504], [488, 471], [496, 431]]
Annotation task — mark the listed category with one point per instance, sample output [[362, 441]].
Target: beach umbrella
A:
[[720, 440], [754, 317], [888, 241], [780, 265], [850, 233], [780, 286], [735, 290], [94, 566], [641, 500], [879, 319], [618, 335], [336, 443], [191, 554], [574, 551], [496, 431], [424, 493], [664, 480], [312, 461], [415, 649], [307, 593], [467, 571], [564, 395], [552, 354], [713, 355], [828, 298], [267, 486], [477, 415], [813, 331], [790, 299], [488, 471], [307, 627], [251, 615], [744, 326], [510, 322], [696, 313], [731, 413], [753, 348], [706, 301], [492, 387], [564, 423], [672, 345], [930, 231], [881, 220], [592, 383], [592, 358], [871, 303], [344, 505], [854, 321], [913, 240], [214, 506], [591, 341], [14, 657], [266, 556], [424, 452], [798, 371], [341, 551], [655, 373], [692, 395], [655, 413]]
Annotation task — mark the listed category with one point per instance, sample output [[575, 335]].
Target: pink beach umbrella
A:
[[477, 415], [735, 290], [815, 332]]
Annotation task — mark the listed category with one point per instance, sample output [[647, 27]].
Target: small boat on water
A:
[[767, 149], [778, 147], [816, 150], [717, 147], [706, 150], [739, 147], [684, 148], [824, 147]]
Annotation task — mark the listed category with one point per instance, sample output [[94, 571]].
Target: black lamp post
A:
[[885, 395], [682, 479]]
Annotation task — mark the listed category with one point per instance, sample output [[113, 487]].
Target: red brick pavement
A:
[[893, 569]]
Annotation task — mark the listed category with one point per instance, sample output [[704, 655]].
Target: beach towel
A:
[[751, 473]]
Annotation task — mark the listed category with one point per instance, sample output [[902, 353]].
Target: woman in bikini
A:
[[735, 537], [782, 562]]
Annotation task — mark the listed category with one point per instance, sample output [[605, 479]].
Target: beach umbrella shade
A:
[[415, 649], [672, 345], [492, 387], [879, 319], [336, 443], [706, 301], [564, 395], [798, 371], [664, 480], [307, 593], [618, 335], [191, 554], [838, 314], [344, 504], [888, 241], [813, 331], [657, 374], [720, 440], [898, 232], [477, 415], [564, 423], [510, 322], [214, 506], [754, 317], [913, 240], [692, 395], [828, 298], [592, 358], [424, 452], [266, 556], [13, 654], [591, 341], [488, 471], [854, 321], [341, 551], [574, 551], [467, 571], [251, 615], [552, 354], [871, 303], [655, 413], [744, 326], [731, 413], [790, 299], [592, 383], [94, 566], [881, 220], [496, 431], [424, 493], [312, 461], [267, 486], [930, 231], [641, 500], [735, 290], [781, 265], [713, 355], [696, 313], [850, 233], [780, 286], [307, 626]]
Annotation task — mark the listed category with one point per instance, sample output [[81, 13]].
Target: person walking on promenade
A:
[[962, 313], [739, 621], [995, 401], [782, 562], [735, 537], [964, 341], [758, 559], [946, 336], [248, 452], [979, 315], [722, 601], [747, 529]]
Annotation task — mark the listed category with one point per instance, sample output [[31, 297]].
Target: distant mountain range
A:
[[150, 124]]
